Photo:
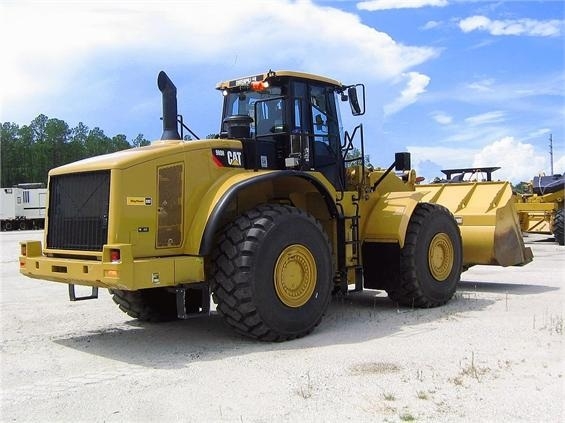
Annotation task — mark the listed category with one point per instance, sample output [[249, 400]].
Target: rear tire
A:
[[557, 227], [147, 305], [271, 273], [431, 259]]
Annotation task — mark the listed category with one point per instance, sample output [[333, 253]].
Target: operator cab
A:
[[288, 120]]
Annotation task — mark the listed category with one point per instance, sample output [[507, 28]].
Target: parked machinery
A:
[[23, 206], [541, 211], [271, 217]]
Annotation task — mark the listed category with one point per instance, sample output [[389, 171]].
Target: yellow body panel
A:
[[387, 216], [139, 219], [279, 73], [128, 273]]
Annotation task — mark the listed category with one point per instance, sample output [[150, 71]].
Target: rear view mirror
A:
[[402, 161], [357, 108]]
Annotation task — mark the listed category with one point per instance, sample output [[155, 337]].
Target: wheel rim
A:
[[295, 275], [440, 257]]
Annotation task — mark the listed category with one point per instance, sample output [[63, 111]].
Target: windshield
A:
[[243, 103]]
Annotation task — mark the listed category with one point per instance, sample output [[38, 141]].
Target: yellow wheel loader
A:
[[270, 218], [541, 211]]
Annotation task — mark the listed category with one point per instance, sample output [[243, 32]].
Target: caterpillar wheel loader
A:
[[541, 210], [270, 218]]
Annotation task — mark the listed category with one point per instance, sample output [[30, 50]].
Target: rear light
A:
[[114, 256], [23, 250]]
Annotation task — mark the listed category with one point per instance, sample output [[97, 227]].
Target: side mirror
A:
[[402, 161], [357, 108]]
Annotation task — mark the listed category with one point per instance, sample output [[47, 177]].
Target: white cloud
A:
[[445, 157], [559, 165], [519, 161], [486, 118], [529, 27], [484, 85], [442, 118], [373, 5], [58, 41], [538, 133], [415, 86], [431, 25]]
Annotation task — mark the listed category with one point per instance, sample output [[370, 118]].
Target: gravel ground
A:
[[494, 353]]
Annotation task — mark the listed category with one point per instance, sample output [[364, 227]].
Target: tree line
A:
[[28, 152]]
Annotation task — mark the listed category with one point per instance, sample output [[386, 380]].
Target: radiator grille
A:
[[78, 211]]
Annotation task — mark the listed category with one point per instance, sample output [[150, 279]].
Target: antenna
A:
[[551, 152]]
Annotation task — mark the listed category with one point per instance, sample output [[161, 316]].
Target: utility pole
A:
[[551, 152]]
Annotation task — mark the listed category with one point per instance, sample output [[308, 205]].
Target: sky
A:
[[457, 83]]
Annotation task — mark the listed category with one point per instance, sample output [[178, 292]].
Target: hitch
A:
[[193, 300], [73, 297]]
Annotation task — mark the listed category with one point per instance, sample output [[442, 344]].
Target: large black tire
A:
[[431, 259], [271, 273], [148, 305], [557, 227]]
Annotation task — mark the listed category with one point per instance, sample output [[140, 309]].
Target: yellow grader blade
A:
[[487, 218]]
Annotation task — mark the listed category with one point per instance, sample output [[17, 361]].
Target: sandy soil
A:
[[494, 353]]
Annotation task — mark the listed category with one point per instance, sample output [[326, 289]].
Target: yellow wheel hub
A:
[[440, 257], [295, 275]]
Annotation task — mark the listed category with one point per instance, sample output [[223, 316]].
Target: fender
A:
[[388, 216], [216, 201]]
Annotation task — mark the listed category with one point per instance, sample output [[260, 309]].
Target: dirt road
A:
[[494, 353]]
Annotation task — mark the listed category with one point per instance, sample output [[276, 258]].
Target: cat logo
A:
[[234, 158], [227, 157]]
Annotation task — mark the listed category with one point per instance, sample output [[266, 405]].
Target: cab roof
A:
[[238, 82]]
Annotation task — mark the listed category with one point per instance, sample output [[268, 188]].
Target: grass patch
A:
[[307, 390], [407, 417], [389, 396], [422, 395], [375, 368]]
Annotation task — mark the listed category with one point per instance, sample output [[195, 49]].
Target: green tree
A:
[[96, 143], [77, 142], [27, 153], [119, 142], [8, 149], [522, 188], [355, 153], [140, 141]]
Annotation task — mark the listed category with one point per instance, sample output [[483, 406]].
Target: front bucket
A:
[[487, 218]]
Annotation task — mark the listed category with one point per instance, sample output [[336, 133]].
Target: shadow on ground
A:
[[352, 319], [501, 288]]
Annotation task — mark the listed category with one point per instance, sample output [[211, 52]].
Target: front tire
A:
[[271, 273], [431, 259], [557, 227]]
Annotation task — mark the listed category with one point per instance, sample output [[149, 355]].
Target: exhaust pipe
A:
[[169, 92]]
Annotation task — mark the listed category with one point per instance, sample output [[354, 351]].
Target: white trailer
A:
[[23, 206]]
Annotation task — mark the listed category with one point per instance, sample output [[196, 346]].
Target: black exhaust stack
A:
[[169, 91]]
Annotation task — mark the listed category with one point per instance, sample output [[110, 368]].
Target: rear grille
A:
[[78, 211]]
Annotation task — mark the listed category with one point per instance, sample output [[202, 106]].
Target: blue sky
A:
[[457, 83]]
